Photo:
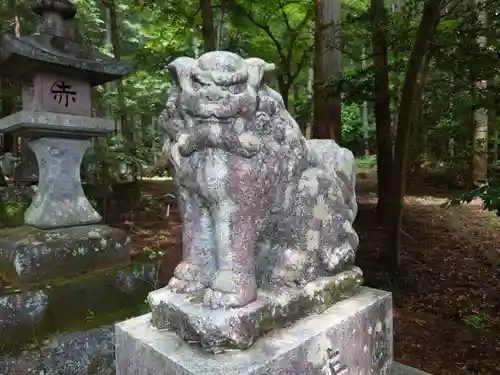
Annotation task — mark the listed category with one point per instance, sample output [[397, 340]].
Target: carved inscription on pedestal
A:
[[63, 93], [52, 93], [333, 365]]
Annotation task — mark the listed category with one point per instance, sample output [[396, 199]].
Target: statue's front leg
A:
[[198, 266], [236, 232]]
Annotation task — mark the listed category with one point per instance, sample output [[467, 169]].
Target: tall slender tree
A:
[[382, 106], [327, 66], [431, 15], [207, 26]]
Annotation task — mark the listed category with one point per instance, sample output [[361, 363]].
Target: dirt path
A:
[[447, 308]]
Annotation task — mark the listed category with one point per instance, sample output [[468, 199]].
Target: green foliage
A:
[[367, 162], [489, 194], [476, 321], [152, 33]]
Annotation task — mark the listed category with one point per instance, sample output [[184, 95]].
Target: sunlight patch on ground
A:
[[157, 178], [425, 200]]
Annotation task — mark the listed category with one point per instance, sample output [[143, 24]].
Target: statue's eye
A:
[[196, 85], [236, 89]]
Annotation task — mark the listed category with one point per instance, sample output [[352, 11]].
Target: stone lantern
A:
[[57, 76], [63, 235]]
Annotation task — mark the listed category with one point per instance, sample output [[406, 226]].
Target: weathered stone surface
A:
[[7, 163], [61, 55], [80, 353], [260, 204], [18, 194], [39, 124], [30, 255], [53, 49], [77, 353], [60, 201], [352, 337], [399, 369], [21, 315], [26, 172], [26, 363], [103, 297], [59, 94], [217, 330]]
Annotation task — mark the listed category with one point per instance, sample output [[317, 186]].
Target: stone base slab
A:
[[352, 337], [29, 255], [220, 329], [86, 301], [399, 369], [76, 353]]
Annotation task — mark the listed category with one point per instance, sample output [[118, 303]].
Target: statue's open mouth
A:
[[212, 120]]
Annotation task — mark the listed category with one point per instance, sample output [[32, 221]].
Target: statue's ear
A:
[[258, 70], [181, 68]]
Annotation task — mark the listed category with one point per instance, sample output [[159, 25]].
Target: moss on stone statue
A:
[[276, 315], [218, 330]]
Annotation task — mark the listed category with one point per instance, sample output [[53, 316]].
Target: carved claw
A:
[[216, 299], [188, 278], [337, 259], [292, 268], [183, 286], [230, 290]]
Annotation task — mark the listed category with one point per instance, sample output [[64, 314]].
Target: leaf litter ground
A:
[[447, 305]]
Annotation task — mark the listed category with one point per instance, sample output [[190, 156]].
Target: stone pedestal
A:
[[352, 337], [60, 200], [29, 255], [217, 330]]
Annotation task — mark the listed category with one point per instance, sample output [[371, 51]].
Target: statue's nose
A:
[[214, 93]]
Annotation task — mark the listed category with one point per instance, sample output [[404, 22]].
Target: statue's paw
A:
[[216, 299], [292, 268], [186, 150], [183, 286], [188, 278], [230, 289], [339, 258], [185, 146]]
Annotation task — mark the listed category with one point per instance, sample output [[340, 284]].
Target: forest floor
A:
[[447, 305]]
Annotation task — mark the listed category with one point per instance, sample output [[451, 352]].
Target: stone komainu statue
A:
[[260, 204]]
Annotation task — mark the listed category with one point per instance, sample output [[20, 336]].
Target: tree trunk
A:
[[382, 107], [207, 27], [493, 128], [431, 16], [417, 130], [327, 66], [493, 112], [364, 114], [114, 33], [220, 26], [480, 126], [284, 88], [127, 127]]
